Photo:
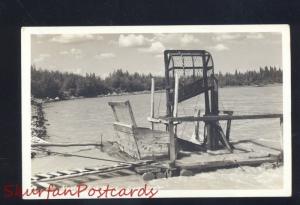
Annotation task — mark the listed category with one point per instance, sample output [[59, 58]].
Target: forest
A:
[[53, 84]]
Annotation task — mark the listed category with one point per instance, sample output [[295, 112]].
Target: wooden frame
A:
[[138, 142], [125, 104]]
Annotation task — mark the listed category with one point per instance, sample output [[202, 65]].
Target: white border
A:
[[286, 67]]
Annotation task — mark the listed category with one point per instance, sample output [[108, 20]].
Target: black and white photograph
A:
[[156, 111]]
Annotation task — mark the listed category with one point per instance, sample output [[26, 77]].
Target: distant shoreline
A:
[[145, 92]]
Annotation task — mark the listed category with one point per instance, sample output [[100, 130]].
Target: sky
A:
[[103, 53]]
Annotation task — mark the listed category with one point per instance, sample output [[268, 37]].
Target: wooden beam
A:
[[167, 83], [189, 67], [114, 112], [228, 126], [224, 117], [172, 146], [197, 125], [205, 82], [131, 114], [176, 96], [118, 103]]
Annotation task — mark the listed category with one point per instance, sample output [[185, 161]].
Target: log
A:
[[64, 144]]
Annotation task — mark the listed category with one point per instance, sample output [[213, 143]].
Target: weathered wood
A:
[[225, 163], [157, 120], [115, 113], [245, 153], [205, 82], [210, 141], [163, 120], [176, 96], [123, 128], [197, 125], [124, 104], [131, 114], [223, 117], [172, 149], [228, 125], [118, 103], [167, 84], [223, 138]]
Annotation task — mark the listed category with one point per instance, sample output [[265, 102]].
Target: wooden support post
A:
[[167, 84], [209, 143], [214, 97], [197, 123], [193, 62], [228, 125], [213, 136], [152, 101], [176, 96], [206, 96], [173, 143], [175, 106], [281, 133], [223, 138], [172, 148]]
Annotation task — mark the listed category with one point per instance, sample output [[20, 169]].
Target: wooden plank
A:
[[43, 175], [224, 163], [131, 114], [54, 174], [123, 128], [118, 103], [224, 139], [115, 113]]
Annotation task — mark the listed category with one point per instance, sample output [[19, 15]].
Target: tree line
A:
[[266, 75], [53, 84]]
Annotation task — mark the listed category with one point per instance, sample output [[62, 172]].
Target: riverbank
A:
[[38, 128]]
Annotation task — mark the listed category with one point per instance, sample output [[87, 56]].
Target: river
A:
[[85, 120]]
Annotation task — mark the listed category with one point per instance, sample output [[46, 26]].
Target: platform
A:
[[245, 153]]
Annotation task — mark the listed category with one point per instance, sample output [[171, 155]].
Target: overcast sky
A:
[[103, 53]]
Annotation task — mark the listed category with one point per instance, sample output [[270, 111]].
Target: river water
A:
[[85, 120]]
